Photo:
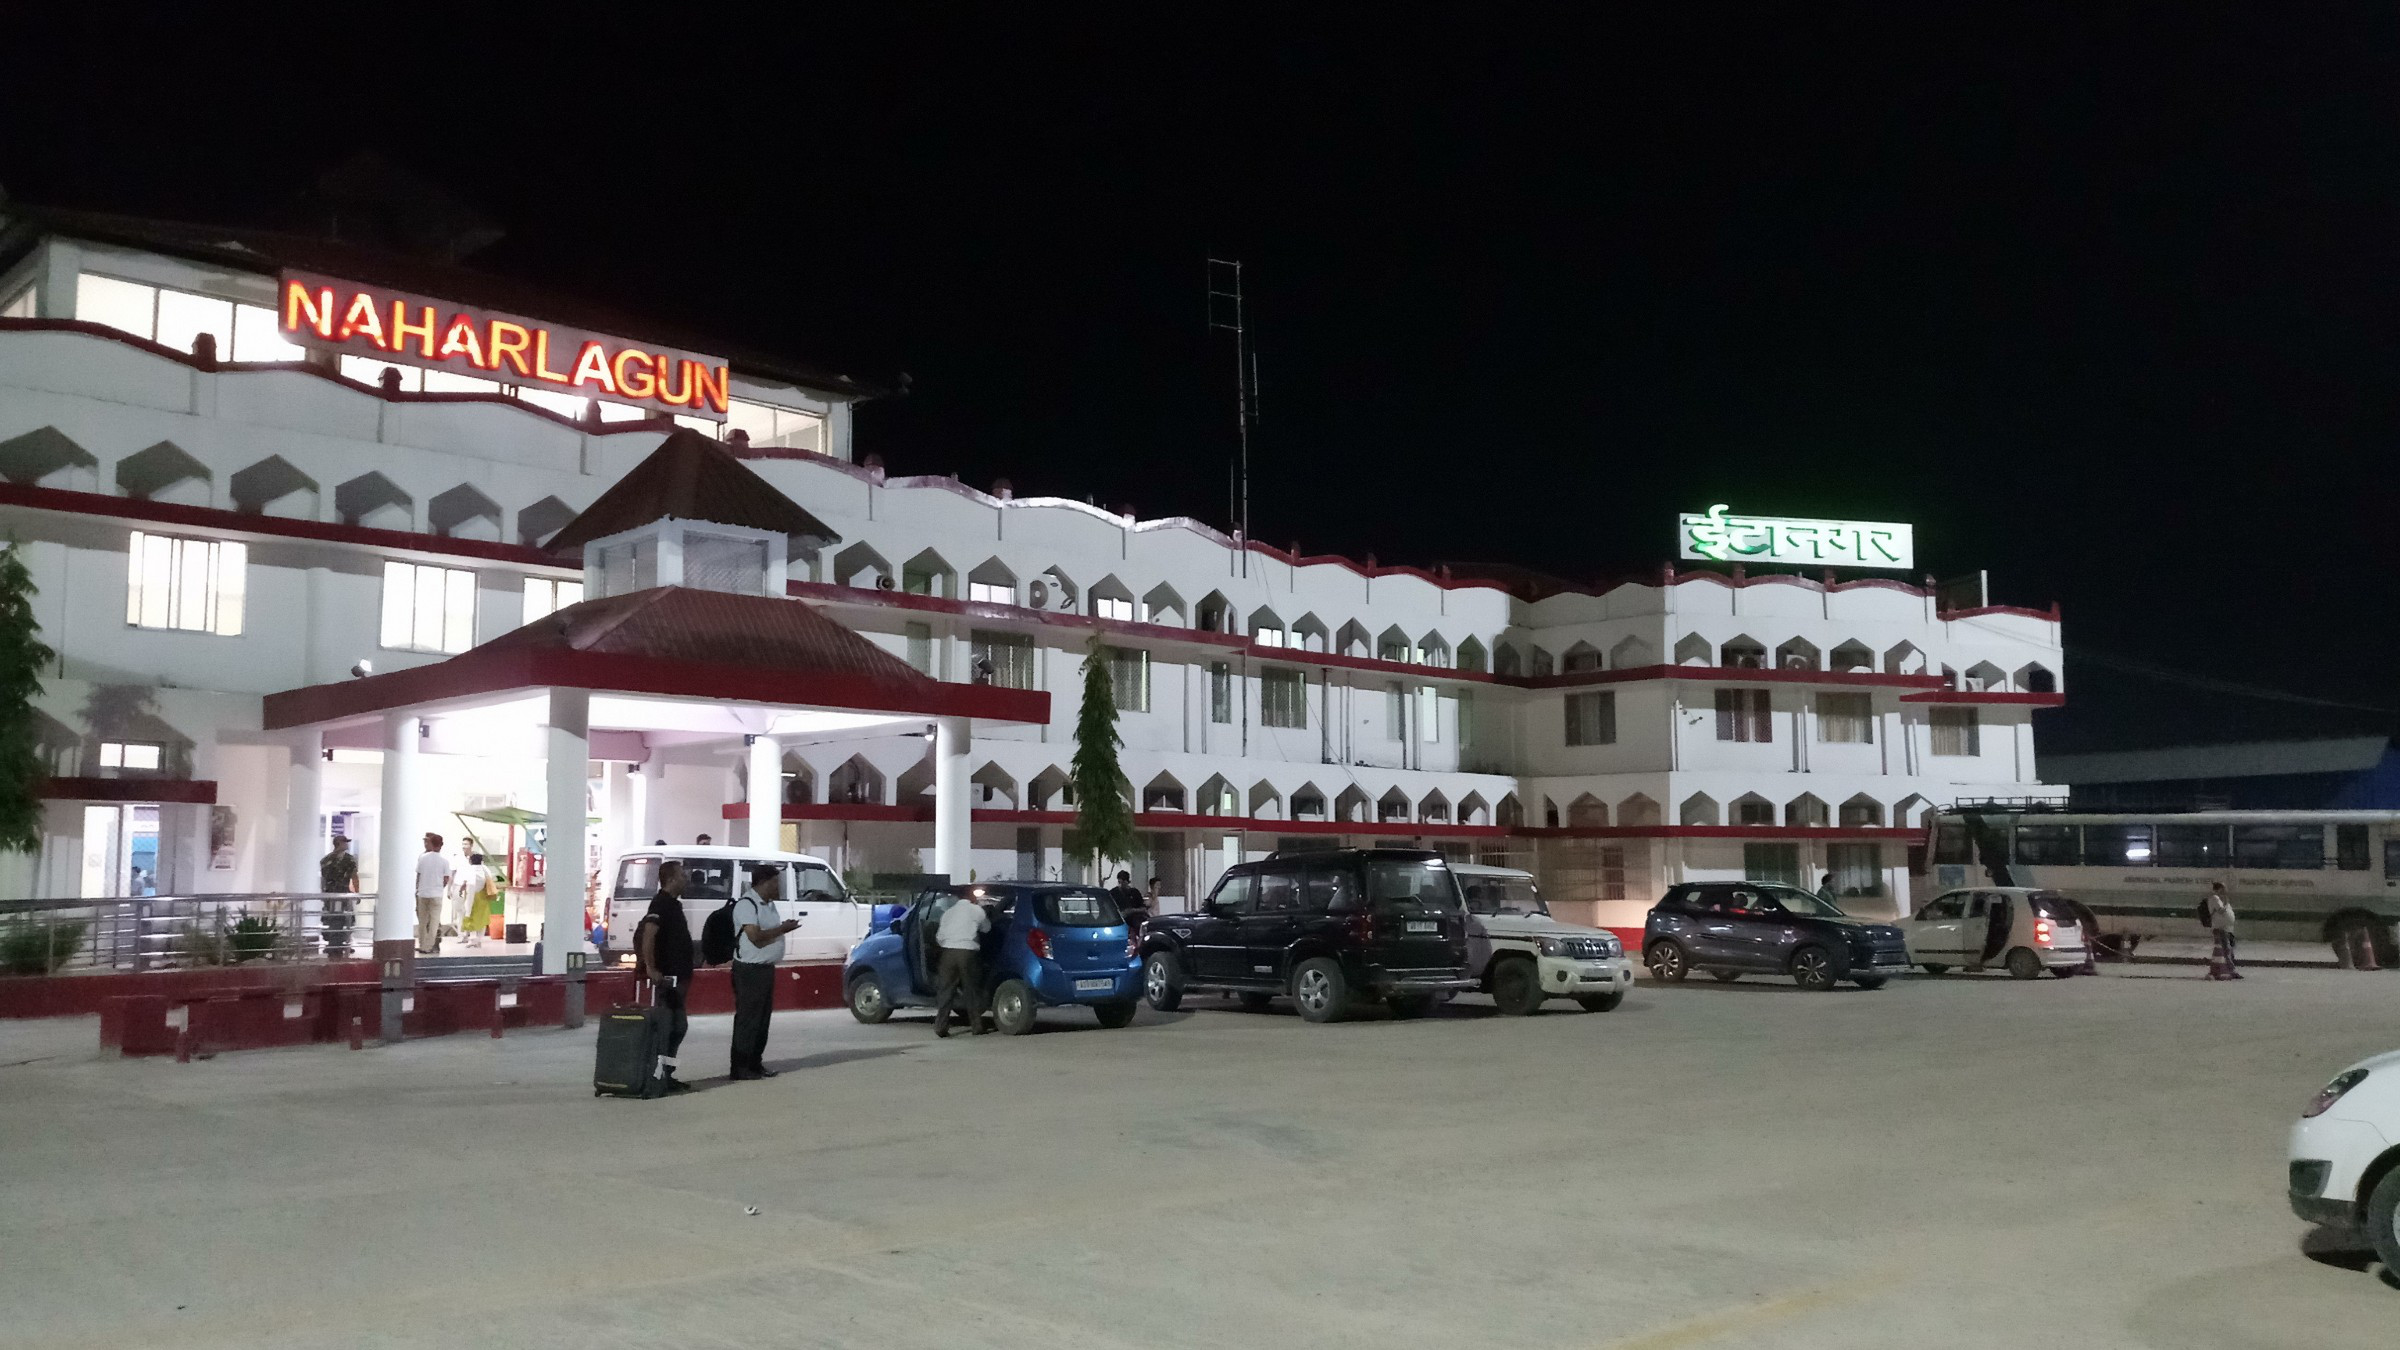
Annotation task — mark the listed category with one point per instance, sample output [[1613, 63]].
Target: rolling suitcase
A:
[[625, 1059]]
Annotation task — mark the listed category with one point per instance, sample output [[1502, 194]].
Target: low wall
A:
[[83, 995]]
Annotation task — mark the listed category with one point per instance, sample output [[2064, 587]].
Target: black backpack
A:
[[2201, 912], [717, 935]]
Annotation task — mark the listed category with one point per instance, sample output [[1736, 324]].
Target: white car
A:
[[2019, 929], [2345, 1156], [831, 922], [1523, 956]]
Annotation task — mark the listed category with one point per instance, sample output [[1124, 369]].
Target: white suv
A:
[[1523, 956], [2345, 1165]]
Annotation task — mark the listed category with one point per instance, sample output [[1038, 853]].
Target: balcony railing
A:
[[169, 932]]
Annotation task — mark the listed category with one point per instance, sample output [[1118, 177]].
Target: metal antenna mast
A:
[[1225, 313]]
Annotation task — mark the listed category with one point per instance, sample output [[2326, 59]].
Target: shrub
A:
[[250, 939], [32, 947], [200, 945]]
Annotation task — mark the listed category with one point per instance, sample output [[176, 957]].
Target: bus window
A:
[[2279, 847], [2046, 845], [637, 878], [1951, 844], [2350, 848], [2116, 846], [2193, 846], [2391, 859]]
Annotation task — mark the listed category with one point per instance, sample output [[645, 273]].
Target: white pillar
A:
[[301, 847], [400, 839], [953, 806], [639, 828], [765, 781], [566, 770]]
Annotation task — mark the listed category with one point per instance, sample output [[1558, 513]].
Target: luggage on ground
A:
[[625, 1062]]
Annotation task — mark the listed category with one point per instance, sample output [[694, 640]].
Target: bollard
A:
[[574, 995], [395, 974]]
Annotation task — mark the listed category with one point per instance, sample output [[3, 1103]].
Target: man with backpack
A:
[[758, 946], [662, 950]]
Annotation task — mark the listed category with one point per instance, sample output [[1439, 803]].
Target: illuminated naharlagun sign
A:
[[412, 330], [1718, 537]]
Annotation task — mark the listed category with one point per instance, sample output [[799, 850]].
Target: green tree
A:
[[22, 658], [1103, 812]]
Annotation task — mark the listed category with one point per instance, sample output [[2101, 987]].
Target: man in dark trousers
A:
[[756, 950], [337, 876], [1130, 901], [959, 935], [662, 953]]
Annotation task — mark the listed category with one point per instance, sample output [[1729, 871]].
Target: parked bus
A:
[[2295, 876]]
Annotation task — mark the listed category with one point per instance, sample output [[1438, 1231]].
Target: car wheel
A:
[[1724, 976], [1871, 981], [867, 1002], [2383, 1219], [1409, 1005], [2024, 965], [1812, 969], [1935, 968], [1114, 1015], [1162, 981], [1600, 1002], [1255, 1001], [1517, 987], [1319, 989], [1012, 1007], [1667, 961]]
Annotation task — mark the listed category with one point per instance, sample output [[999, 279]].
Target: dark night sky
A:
[[2102, 302]]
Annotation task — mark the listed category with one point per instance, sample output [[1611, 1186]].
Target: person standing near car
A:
[[756, 951], [2219, 908], [662, 954], [960, 937], [1129, 901]]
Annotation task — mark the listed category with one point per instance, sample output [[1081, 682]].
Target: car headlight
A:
[[1558, 947], [2332, 1092]]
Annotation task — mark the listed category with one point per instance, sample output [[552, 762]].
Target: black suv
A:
[[1736, 928], [1325, 928]]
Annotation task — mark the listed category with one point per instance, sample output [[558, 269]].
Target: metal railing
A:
[[170, 932]]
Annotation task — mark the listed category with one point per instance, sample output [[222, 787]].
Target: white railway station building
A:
[[244, 466]]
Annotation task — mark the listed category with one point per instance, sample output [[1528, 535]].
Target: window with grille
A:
[[1592, 718], [196, 585], [1846, 719], [1395, 712], [1773, 862], [1010, 656], [428, 609], [1586, 869], [1283, 698], [1745, 715], [1129, 676], [721, 562], [1220, 692], [1957, 731], [1857, 868], [629, 566]]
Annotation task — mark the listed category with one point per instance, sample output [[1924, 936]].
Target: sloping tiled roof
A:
[[690, 477], [678, 623]]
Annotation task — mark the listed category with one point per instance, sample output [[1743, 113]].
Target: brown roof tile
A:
[[690, 477]]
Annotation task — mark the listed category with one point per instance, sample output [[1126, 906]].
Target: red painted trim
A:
[[1865, 833], [1173, 820], [1731, 675], [192, 791], [484, 672], [1987, 697], [2050, 615], [935, 604], [1409, 669], [245, 522], [837, 811], [82, 995]]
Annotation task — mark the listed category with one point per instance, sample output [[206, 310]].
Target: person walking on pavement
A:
[[337, 876], [433, 887], [756, 951], [960, 937], [662, 954], [2219, 907]]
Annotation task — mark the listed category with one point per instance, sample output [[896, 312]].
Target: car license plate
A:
[[1424, 928], [1083, 985]]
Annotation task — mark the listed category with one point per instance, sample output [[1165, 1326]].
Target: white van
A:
[[831, 922], [2024, 930], [1523, 956]]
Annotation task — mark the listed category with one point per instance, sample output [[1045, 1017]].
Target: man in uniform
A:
[[337, 876]]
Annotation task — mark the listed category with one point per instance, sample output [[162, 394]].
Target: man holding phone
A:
[[662, 948], [756, 951]]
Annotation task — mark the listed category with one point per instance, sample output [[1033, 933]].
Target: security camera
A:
[[362, 670]]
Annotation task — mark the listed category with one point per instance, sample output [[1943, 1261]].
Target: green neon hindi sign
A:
[[1718, 537]]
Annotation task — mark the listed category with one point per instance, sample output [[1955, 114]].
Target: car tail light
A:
[[1362, 926], [2041, 931], [1039, 941], [1133, 948]]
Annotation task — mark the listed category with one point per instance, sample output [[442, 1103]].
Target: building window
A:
[[173, 318], [1113, 608], [1283, 699], [1753, 811], [192, 584], [1008, 657], [1956, 731], [1745, 715], [1395, 712], [1220, 692], [768, 425], [920, 646], [130, 754], [1846, 719], [1592, 718], [1267, 637], [1857, 868], [1129, 676], [544, 597], [427, 608], [1429, 714], [631, 565], [988, 593], [1772, 862]]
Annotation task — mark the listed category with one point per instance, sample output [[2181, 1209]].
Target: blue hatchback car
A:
[[1051, 944]]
